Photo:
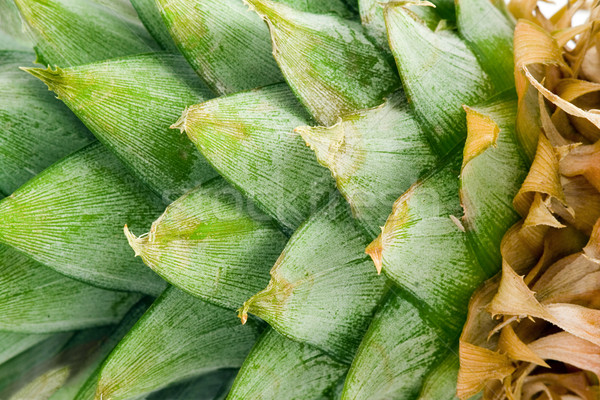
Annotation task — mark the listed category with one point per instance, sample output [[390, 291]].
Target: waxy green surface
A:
[[179, 337], [33, 298], [436, 62], [396, 354], [129, 104], [75, 32], [318, 54], [12, 36], [249, 138], [323, 290], [149, 13], [213, 244], [442, 282], [279, 368], [229, 47], [374, 156], [35, 129], [70, 218]]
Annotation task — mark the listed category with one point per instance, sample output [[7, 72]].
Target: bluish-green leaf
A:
[[35, 128], [12, 34], [71, 216], [36, 299], [439, 73], [179, 337], [396, 354], [15, 343], [490, 35], [278, 368], [227, 46], [129, 104], [15, 372], [213, 244], [83, 378], [150, 15], [323, 290], [248, 137], [329, 62], [425, 221], [374, 155], [75, 32]]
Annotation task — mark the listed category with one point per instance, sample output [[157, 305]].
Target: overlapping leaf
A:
[[279, 368], [36, 130], [70, 218], [75, 32], [212, 244], [308, 47], [179, 337], [23, 282], [248, 137], [129, 104]]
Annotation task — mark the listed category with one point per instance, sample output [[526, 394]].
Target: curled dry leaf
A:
[[542, 312]]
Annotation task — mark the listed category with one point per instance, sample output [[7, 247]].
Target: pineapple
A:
[[265, 199]]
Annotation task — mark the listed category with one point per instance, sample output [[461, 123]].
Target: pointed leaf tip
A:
[[134, 241], [50, 77], [375, 251], [181, 122]]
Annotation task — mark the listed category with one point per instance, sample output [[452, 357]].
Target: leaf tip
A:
[[375, 251], [134, 241], [51, 77], [182, 121]]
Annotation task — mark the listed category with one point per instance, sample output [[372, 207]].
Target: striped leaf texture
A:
[[178, 337], [70, 217], [243, 58], [337, 150], [129, 104], [206, 244], [249, 138], [74, 32], [24, 281], [308, 47], [278, 368], [36, 129]]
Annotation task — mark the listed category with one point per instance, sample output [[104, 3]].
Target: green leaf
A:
[[150, 15], [14, 343], [397, 352], [374, 155], [425, 221], [440, 384], [248, 137], [83, 379], [318, 57], [323, 290], [212, 244], [58, 368], [36, 299], [225, 44], [129, 104], [70, 218], [75, 32], [487, 203], [242, 59], [371, 16], [490, 35], [35, 128], [16, 371], [179, 337], [12, 35], [212, 386], [435, 62], [278, 368]]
